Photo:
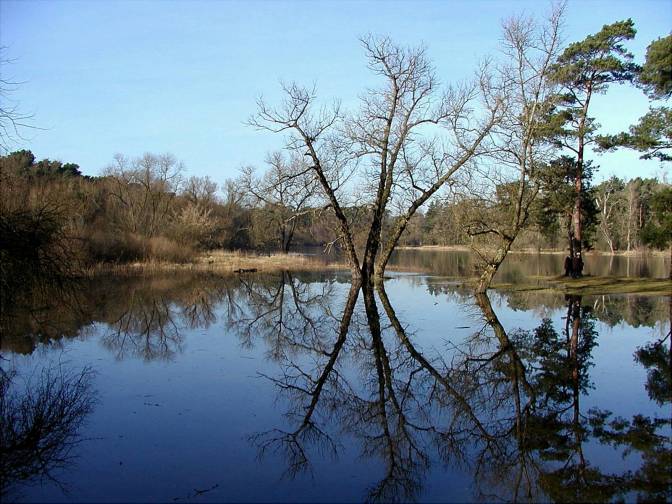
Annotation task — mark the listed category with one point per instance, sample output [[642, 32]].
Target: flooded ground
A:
[[291, 387], [520, 267]]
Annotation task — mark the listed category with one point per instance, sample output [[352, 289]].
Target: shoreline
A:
[[221, 262], [228, 263], [466, 248]]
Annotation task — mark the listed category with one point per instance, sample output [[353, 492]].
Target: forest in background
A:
[[146, 209]]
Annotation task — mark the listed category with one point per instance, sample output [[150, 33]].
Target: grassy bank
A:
[[227, 262], [466, 248], [588, 285], [224, 262]]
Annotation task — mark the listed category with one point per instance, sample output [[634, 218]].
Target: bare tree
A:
[[200, 190], [403, 144], [283, 193], [609, 199], [12, 118], [508, 182], [143, 189]]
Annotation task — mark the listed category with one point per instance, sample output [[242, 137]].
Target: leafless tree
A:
[[609, 199], [283, 193], [508, 176], [143, 189], [12, 118], [200, 190], [403, 145]]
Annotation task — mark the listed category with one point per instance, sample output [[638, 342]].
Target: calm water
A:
[[281, 388], [522, 267]]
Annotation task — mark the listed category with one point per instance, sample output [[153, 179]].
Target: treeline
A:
[[146, 209], [616, 215], [54, 219], [139, 209]]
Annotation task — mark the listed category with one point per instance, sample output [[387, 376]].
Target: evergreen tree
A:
[[584, 69], [658, 231], [652, 135]]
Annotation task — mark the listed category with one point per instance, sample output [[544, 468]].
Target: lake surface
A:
[[520, 267], [286, 387]]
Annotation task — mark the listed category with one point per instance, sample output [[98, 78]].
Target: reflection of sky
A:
[[164, 428]]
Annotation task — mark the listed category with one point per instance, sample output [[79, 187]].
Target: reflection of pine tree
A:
[[652, 481], [561, 362], [558, 429], [657, 359]]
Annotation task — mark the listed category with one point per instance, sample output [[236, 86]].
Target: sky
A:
[[182, 77]]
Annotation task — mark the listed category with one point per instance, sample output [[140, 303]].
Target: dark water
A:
[[253, 388]]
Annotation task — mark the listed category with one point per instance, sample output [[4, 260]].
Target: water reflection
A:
[[523, 267], [40, 419], [505, 405], [656, 357], [508, 406]]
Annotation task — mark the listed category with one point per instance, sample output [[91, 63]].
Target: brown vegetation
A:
[[222, 261]]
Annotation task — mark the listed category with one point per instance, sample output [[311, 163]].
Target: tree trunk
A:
[[576, 219], [491, 268]]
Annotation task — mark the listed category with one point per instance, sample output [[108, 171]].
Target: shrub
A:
[[160, 248]]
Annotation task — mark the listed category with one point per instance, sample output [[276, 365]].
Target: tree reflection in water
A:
[[657, 359], [40, 420], [504, 405]]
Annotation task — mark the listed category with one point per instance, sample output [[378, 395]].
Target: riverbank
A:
[[466, 248], [232, 262], [588, 285], [223, 262]]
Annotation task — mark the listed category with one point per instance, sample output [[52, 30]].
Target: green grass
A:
[[594, 285]]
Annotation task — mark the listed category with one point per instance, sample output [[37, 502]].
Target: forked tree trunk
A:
[[491, 268]]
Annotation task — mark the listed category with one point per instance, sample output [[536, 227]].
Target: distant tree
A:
[[584, 69], [609, 199], [200, 190], [143, 189], [637, 203], [18, 162], [282, 196], [23, 163], [657, 232]]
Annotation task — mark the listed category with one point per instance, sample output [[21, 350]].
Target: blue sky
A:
[[182, 77]]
